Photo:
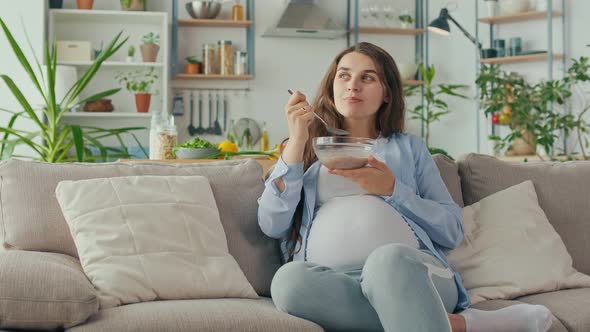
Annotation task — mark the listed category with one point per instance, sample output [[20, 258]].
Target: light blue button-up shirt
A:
[[419, 195]]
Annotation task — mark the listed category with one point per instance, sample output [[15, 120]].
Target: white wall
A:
[[22, 18]]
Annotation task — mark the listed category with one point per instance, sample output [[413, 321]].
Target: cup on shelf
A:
[[515, 46], [489, 53], [500, 47]]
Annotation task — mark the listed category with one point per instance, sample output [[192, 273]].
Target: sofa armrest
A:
[[41, 290]]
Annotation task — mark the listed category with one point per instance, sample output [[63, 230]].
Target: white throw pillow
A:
[[144, 238], [510, 249]]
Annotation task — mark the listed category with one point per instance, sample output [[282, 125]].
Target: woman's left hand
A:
[[378, 180]]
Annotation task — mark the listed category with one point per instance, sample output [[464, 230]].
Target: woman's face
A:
[[358, 90]]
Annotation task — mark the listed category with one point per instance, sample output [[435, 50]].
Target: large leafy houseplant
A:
[[58, 139], [434, 107], [536, 113]]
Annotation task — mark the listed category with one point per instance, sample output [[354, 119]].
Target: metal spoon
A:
[[333, 130]]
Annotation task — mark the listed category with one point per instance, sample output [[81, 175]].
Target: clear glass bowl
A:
[[343, 152]]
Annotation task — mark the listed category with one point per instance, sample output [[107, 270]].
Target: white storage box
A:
[[73, 50]]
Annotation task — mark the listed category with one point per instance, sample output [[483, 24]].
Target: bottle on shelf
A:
[[264, 138], [237, 11]]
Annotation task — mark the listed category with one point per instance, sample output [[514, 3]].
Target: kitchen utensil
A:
[[333, 130], [343, 152], [178, 105], [191, 129], [203, 9], [209, 130], [216, 125], [200, 129], [224, 113], [247, 129]]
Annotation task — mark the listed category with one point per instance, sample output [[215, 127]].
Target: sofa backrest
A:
[[563, 190], [449, 171], [31, 218]]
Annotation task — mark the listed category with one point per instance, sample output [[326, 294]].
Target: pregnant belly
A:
[[347, 229]]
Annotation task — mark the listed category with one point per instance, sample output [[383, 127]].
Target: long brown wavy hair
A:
[[390, 117]]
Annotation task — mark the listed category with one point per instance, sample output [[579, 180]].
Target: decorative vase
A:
[[133, 5], [129, 59], [84, 4], [523, 146], [142, 102], [56, 4], [510, 7], [492, 6], [149, 52]]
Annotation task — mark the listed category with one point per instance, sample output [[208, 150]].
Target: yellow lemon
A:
[[227, 146]]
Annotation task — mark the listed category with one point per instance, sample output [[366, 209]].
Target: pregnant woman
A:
[[364, 247]]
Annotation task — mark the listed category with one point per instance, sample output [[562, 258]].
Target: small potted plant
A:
[[193, 65], [139, 82], [150, 47], [84, 4], [133, 5], [406, 19], [130, 53]]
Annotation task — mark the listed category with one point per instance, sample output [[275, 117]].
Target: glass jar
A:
[[165, 140], [237, 11], [241, 63], [224, 50], [158, 121], [209, 59]]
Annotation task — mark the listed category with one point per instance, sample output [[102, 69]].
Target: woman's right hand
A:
[[299, 116]]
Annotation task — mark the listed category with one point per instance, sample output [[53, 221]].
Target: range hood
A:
[[304, 19]]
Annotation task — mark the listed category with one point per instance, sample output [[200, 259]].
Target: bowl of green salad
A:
[[195, 148]]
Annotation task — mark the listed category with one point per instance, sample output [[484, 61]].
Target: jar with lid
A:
[[209, 59], [158, 121], [237, 11], [165, 140], [225, 57], [241, 63]]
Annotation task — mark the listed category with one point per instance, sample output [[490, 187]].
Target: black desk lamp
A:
[[441, 26]]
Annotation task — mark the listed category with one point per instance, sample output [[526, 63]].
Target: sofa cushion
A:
[[556, 326], [236, 187], [145, 238], [561, 189], [43, 291], [508, 245], [449, 171], [570, 306], [246, 315]]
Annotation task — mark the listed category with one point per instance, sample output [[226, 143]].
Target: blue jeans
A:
[[399, 288]]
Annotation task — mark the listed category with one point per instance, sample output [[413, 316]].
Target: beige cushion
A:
[[562, 189], [571, 306], [43, 291], [236, 186], [145, 238], [219, 315], [510, 249], [449, 172]]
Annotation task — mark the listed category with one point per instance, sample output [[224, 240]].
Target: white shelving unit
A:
[[99, 27]]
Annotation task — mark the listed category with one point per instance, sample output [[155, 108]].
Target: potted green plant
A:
[[52, 140], [130, 53], [193, 65], [534, 113], [435, 107], [406, 19], [150, 47], [140, 83], [133, 5]]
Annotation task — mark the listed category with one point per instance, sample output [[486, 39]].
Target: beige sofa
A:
[[42, 285]]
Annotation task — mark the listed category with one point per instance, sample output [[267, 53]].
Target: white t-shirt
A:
[[351, 223]]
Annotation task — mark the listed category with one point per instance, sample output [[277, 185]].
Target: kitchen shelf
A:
[[107, 115], [214, 77], [214, 23], [107, 17], [111, 64], [520, 58], [390, 31], [520, 17]]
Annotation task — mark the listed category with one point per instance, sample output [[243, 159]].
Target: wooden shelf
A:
[[213, 77], [520, 17], [390, 31], [107, 115], [111, 64], [214, 23], [106, 16], [520, 58], [412, 82]]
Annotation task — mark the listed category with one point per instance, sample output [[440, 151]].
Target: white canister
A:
[[510, 7]]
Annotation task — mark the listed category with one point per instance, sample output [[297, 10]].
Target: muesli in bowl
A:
[[343, 152]]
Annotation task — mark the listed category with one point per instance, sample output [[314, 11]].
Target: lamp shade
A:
[[441, 23]]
